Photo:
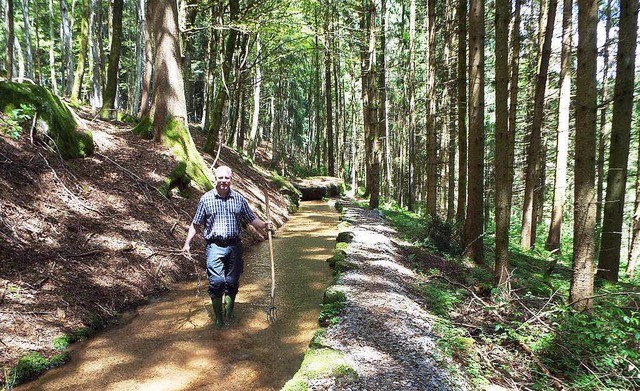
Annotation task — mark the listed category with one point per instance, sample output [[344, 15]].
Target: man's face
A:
[[223, 180]]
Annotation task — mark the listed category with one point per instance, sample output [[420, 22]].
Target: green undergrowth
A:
[[34, 364], [536, 341]]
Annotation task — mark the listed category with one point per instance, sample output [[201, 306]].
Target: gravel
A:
[[385, 332]]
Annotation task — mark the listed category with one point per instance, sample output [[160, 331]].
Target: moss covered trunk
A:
[[55, 123]]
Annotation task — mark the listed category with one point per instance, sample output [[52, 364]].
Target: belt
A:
[[224, 242]]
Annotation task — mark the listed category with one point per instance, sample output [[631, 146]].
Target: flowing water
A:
[[171, 344]]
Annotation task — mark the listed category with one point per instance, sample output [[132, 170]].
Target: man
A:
[[220, 213]]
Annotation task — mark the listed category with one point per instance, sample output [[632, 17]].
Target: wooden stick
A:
[[273, 270]]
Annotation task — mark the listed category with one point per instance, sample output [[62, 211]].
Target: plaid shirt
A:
[[222, 217]]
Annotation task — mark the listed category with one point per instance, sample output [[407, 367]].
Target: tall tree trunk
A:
[[382, 87], [410, 188], [604, 129], [9, 26], [582, 279], [78, 76], [170, 109], [451, 76], [372, 139], [111, 89], [189, 17], [474, 222], [67, 49], [317, 97], [210, 84], [95, 19], [26, 22], [461, 211], [432, 139], [609, 259], [502, 163], [562, 149], [140, 60], [52, 58], [634, 253], [222, 95], [532, 175], [257, 85], [327, 91]]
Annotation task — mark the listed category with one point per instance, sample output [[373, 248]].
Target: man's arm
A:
[[193, 230], [260, 224]]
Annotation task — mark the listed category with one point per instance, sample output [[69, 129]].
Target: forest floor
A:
[[82, 240]]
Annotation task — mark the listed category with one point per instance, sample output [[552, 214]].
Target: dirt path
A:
[[171, 344]]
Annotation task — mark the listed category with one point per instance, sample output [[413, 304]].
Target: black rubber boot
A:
[[228, 305], [217, 310]]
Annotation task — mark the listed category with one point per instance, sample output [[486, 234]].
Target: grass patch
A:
[[320, 363]]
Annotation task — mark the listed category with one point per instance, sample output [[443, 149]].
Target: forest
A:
[[512, 123]]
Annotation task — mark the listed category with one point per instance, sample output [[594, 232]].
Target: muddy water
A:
[[172, 344]]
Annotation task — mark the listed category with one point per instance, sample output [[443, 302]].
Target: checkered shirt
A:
[[222, 216]]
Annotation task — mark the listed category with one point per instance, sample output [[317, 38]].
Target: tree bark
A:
[[410, 188], [327, 91], [462, 112], [582, 278], [502, 155], [562, 149], [26, 22], [94, 47], [532, 175], [222, 96], [609, 259], [9, 26], [473, 226], [78, 76], [67, 49], [604, 129], [170, 109], [111, 89]]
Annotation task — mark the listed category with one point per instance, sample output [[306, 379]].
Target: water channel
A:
[[171, 344]]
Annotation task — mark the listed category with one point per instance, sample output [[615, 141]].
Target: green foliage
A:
[[440, 297], [330, 312], [28, 367], [9, 126], [599, 350], [434, 233]]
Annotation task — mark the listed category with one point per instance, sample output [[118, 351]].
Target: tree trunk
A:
[[140, 60], [327, 91], [502, 163], [253, 135], [82, 53], [369, 105], [9, 26], [52, 58], [532, 175], [170, 110], [562, 149], [609, 259], [382, 87], [96, 63], [432, 139], [634, 253], [111, 89], [582, 279], [462, 112], [222, 96], [604, 129], [410, 188], [474, 222], [67, 48], [27, 38]]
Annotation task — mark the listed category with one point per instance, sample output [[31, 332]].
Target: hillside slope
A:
[[81, 240]]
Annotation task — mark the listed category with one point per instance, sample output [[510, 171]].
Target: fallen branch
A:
[[85, 254]]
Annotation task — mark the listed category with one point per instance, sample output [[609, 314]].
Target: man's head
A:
[[223, 180]]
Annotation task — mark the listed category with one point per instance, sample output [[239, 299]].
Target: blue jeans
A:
[[224, 266]]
